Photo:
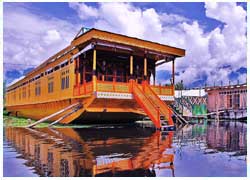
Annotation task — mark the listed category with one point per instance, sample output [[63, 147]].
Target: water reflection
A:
[[212, 137], [131, 151], [93, 152]]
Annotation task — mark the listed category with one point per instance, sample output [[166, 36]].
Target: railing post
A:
[[143, 86], [78, 86], [84, 86], [113, 85], [131, 85], [160, 88], [158, 116]]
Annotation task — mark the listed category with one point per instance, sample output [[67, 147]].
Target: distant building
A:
[[232, 98], [191, 103]]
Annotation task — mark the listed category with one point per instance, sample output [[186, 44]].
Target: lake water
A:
[[205, 149]]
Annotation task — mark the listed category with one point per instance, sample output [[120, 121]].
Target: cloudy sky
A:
[[213, 34]]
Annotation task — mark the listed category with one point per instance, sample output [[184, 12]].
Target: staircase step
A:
[[162, 117], [168, 128]]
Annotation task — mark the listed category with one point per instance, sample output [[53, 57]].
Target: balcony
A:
[[118, 87]]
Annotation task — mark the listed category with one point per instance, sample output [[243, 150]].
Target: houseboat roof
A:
[[104, 38], [228, 87], [127, 40]]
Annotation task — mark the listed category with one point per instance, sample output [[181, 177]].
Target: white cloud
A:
[[30, 39], [172, 18], [52, 36], [84, 11]]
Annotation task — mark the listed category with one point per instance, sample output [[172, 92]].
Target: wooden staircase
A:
[[154, 107]]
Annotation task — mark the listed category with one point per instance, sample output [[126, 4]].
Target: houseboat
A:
[[227, 102], [101, 76]]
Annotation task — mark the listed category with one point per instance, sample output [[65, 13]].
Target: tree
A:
[[4, 92], [179, 86]]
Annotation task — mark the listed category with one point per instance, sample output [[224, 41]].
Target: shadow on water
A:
[[128, 151]]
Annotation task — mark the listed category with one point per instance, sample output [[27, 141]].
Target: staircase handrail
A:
[[145, 83], [165, 108], [156, 115]]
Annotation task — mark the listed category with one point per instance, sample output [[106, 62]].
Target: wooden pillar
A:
[[84, 73], [131, 66], [145, 68], [76, 70], [79, 72], [154, 76], [173, 80], [94, 70]]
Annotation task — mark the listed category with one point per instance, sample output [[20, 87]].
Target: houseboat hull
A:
[[94, 110]]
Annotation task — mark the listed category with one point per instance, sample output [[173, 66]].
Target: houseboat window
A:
[[67, 82], [37, 89], [236, 101], [63, 83], [221, 101], [24, 92], [229, 101], [56, 68], [50, 84], [65, 79], [28, 92], [50, 71], [20, 94], [64, 64], [50, 87]]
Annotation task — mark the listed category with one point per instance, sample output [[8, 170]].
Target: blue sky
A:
[[213, 34]]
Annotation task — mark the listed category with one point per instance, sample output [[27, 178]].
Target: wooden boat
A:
[[100, 76]]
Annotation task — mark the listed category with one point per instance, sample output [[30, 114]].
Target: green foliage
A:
[[19, 122], [11, 121], [4, 92], [179, 86]]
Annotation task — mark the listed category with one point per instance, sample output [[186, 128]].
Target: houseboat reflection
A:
[[84, 152]]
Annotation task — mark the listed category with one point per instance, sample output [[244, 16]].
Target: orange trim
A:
[[148, 106]]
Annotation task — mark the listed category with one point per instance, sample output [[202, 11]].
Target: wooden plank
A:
[[52, 115], [63, 117], [179, 116]]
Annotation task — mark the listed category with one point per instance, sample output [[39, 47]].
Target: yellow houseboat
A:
[[101, 76]]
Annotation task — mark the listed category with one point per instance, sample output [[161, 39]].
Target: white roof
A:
[[192, 92]]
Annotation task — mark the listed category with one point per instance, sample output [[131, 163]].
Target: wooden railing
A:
[[106, 86], [83, 89], [118, 87], [163, 90]]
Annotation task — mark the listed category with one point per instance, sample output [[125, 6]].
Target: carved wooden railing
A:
[[118, 87], [163, 90], [106, 86], [82, 89]]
